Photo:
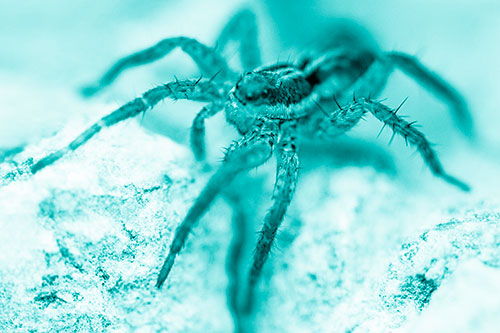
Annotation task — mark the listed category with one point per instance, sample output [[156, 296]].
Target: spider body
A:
[[318, 81], [274, 93], [322, 95]]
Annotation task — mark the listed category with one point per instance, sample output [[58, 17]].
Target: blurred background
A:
[[51, 48]]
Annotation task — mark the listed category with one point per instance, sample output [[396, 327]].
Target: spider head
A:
[[253, 88], [250, 98]]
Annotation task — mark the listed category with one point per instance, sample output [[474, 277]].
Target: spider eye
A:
[[251, 97], [265, 93]]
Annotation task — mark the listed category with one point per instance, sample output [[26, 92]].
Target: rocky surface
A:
[[82, 242]]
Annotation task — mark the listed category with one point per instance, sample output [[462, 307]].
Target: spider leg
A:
[[187, 89], [242, 28], [207, 59], [438, 86], [249, 152], [413, 137], [286, 178], [198, 129], [373, 79]]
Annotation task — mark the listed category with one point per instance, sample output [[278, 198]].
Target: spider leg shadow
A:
[[346, 151], [244, 205]]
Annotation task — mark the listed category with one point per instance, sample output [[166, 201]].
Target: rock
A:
[[83, 240], [435, 283]]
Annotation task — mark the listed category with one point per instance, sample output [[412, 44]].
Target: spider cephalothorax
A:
[[278, 92], [256, 88], [273, 107]]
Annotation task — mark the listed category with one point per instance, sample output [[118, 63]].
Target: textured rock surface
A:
[[82, 242], [438, 283]]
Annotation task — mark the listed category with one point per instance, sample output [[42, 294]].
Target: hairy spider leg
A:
[[249, 152], [197, 134], [242, 28], [412, 136], [208, 60], [437, 86], [339, 120], [286, 179], [188, 89]]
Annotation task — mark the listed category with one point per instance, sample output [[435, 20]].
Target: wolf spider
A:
[[273, 107]]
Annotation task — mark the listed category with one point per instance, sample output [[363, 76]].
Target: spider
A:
[[273, 107]]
